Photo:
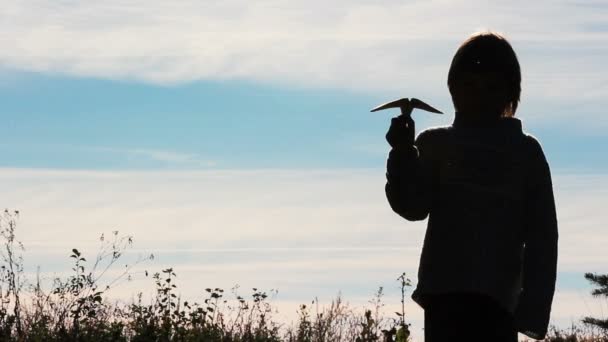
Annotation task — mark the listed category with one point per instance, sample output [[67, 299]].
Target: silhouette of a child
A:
[[489, 260]]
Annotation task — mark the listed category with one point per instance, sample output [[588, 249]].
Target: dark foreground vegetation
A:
[[77, 307]]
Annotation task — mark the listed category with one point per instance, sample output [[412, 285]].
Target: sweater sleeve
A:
[[408, 180], [540, 250]]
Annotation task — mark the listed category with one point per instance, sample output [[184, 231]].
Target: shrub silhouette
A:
[[77, 308], [601, 281]]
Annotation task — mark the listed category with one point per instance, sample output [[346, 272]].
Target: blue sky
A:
[[93, 123], [87, 123], [201, 127]]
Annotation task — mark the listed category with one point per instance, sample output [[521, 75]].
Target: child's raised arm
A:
[[408, 186]]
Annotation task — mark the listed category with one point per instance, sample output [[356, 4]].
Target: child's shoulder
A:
[[532, 142], [534, 148], [433, 133], [432, 139]]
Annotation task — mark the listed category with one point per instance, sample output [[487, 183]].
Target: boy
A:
[[489, 260]]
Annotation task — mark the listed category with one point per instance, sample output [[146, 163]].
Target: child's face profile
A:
[[480, 94]]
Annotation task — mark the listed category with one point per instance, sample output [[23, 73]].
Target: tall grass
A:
[[77, 307]]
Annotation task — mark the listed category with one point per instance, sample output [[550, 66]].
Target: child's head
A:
[[485, 78]]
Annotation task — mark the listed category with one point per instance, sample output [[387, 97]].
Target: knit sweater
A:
[[492, 229]]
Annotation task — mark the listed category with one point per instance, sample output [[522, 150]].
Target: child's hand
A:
[[401, 131]]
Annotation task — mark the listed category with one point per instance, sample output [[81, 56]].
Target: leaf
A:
[[403, 334]]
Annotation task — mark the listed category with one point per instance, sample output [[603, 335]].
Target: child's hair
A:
[[489, 52]]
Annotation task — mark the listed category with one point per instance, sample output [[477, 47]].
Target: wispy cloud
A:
[[361, 45], [168, 157], [271, 208], [138, 156]]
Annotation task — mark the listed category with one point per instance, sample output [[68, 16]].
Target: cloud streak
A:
[[266, 208], [171, 158], [385, 44]]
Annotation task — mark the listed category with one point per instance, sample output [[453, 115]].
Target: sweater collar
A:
[[461, 120]]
